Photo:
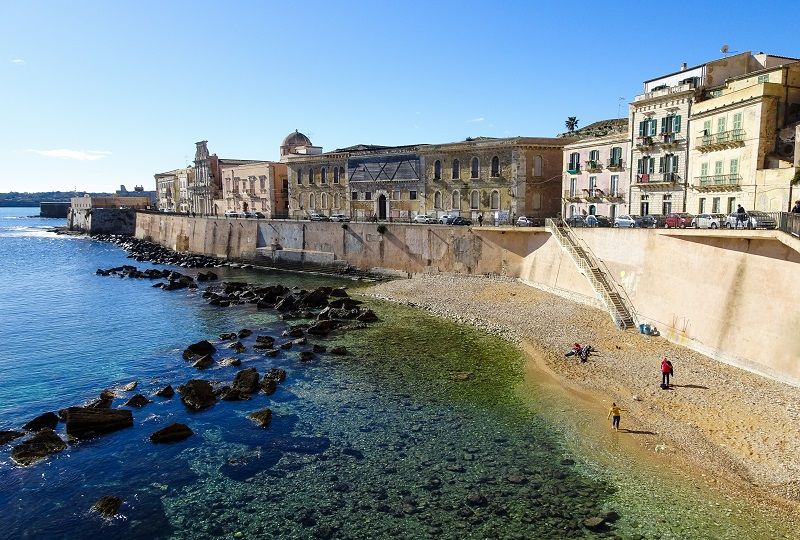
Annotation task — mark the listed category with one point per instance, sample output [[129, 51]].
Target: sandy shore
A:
[[743, 430]]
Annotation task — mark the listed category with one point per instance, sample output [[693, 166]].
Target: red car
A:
[[678, 220]]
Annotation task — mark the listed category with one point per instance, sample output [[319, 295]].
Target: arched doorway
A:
[[382, 207]]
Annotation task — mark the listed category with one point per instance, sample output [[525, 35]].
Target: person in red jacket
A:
[[666, 371]]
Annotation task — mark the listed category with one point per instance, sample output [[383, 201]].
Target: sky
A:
[[98, 94]]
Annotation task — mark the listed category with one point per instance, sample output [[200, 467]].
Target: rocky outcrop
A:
[[107, 505], [246, 380], [48, 420], [323, 327], [203, 362], [227, 336], [85, 422], [8, 436], [201, 348], [339, 349], [262, 417], [230, 361], [277, 374], [37, 447], [237, 346], [268, 386], [245, 332], [166, 392], [197, 394], [306, 356], [137, 401], [172, 433], [104, 401]]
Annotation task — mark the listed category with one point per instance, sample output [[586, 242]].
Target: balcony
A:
[[572, 197], [615, 196], [662, 92], [574, 168], [615, 165], [668, 139], [593, 194], [594, 165], [643, 143], [720, 141], [656, 180], [717, 182]]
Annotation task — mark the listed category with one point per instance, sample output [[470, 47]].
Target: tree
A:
[[572, 123]]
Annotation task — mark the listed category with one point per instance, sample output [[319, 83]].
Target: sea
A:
[[421, 431]]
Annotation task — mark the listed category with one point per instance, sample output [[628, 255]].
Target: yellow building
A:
[[254, 186]]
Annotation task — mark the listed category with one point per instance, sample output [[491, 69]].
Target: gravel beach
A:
[[734, 425]]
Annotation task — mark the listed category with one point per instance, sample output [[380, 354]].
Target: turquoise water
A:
[[416, 434]]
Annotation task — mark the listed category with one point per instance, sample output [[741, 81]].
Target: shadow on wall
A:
[[762, 247]]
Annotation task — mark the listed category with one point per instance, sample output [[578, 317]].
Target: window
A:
[[646, 165], [299, 177], [354, 196], [367, 195], [341, 173], [324, 201], [437, 170], [763, 78], [495, 200], [536, 200], [573, 183], [456, 169], [412, 195], [336, 175], [537, 166], [731, 204], [707, 127], [701, 205], [647, 128], [614, 184], [437, 199], [574, 162], [666, 204], [734, 168], [668, 164], [592, 185], [311, 201], [396, 195], [495, 167], [615, 157], [456, 200], [474, 200], [594, 155], [571, 210], [737, 121], [715, 205], [475, 168], [671, 124], [323, 176], [336, 200], [262, 182], [717, 168], [704, 169], [720, 124], [310, 176]]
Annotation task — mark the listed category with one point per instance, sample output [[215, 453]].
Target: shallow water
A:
[[421, 432]]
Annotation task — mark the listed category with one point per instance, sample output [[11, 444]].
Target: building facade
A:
[[253, 186], [172, 189], [206, 191], [596, 174], [744, 142]]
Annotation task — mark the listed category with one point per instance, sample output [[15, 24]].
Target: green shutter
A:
[[641, 129], [661, 164], [652, 166], [734, 169], [639, 166], [676, 124], [704, 169]]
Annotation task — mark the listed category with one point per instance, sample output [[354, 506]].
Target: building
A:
[[207, 187], [499, 178], [172, 189], [659, 129], [88, 202], [255, 186], [596, 170], [138, 191], [744, 137]]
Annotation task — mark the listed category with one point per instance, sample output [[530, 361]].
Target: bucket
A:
[[641, 328]]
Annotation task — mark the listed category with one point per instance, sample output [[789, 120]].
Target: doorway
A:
[[382, 207]]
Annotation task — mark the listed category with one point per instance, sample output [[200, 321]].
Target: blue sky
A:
[[98, 94]]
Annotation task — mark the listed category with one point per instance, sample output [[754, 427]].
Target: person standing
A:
[[480, 220], [614, 414], [741, 216], [796, 207], [666, 372]]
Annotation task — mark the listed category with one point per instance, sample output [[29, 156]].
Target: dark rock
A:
[[476, 499], [322, 328], [166, 392], [108, 505], [48, 420], [295, 332], [197, 394], [277, 374], [172, 433], [306, 356], [104, 402], [230, 361], [339, 292], [324, 315], [38, 446], [287, 303], [287, 345], [201, 348], [345, 302], [245, 332], [8, 436], [204, 362], [86, 421], [316, 298], [319, 348], [367, 316], [237, 346], [246, 380], [300, 341], [595, 524], [339, 349], [227, 393], [262, 417], [137, 401], [272, 352], [268, 386], [227, 336], [265, 339]]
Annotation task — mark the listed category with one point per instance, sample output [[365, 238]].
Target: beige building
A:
[[596, 171], [744, 142], [255, 186], [87, 202], [172, 189]]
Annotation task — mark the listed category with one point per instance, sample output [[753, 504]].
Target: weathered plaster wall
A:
[[102, 220]]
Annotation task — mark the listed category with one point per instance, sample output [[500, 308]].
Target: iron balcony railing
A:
[[574, 168], [615, 164], [594, 165], [718, 180], [787, 222], [713, 141]]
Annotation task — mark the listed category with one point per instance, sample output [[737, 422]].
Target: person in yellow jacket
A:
[[614, 414]]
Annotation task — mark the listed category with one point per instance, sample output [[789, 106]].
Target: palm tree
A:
[[572, 123]]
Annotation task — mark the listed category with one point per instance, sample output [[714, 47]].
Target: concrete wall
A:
[[728, 294]]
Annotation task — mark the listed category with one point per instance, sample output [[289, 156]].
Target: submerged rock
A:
[[245, 332], [48, 420], [268, 386], [172, 433], [197, 394], [8, 436], [39, 446], [246, 380], [201, 348], [339, 349], [204, 362], [227, 393], [107, 505], [230, 361], [227, 336], [137, 401], [367, 316], [272, 352], [86, 421], [319, 348], [306, 356], [237, 346], [166, 392], [277, 374]]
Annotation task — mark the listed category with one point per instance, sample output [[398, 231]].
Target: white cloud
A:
[[476, 120], [79, 155], [18, 61]]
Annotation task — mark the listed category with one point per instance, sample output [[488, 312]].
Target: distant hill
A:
[[33, 199]]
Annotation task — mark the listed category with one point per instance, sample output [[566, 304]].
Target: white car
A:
[[318, 217], [525, 221], [446, 219], [709, 221], [424, 218], [340, 218], [628, 221], [234, 214]]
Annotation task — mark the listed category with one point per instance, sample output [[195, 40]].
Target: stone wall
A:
[[102, 220]]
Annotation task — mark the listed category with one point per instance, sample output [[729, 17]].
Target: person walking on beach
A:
[[614, 414], [666, 371]]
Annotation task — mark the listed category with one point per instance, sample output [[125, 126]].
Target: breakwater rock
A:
[[142, 250]]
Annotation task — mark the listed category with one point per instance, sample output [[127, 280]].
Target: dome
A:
[[296, 139]]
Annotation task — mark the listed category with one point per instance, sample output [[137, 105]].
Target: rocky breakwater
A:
[[142, 250], [174, 280]]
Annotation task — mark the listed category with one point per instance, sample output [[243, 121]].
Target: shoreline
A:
[[733, 430]]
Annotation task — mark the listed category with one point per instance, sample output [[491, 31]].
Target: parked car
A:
[[525, 221], [708, 221], [755, 220], [628, 221], [597, 221], [652, 222], [576, 221], [458, 220], [447, 219], [341, 218], [233, 214], [318, 217], [424, 218], [678, 220], [259, 215]]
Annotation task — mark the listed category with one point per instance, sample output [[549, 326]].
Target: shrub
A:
[[381, 228]]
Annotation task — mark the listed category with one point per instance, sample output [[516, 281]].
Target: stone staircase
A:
[[617, 306]]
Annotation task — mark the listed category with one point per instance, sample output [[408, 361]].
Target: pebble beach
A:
[[736, 429]]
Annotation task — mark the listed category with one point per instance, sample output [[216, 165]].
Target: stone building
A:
[[207, 185], [659, 126], [596, 172], [744, 142], [172, 189], [254, 186], [498, 178]]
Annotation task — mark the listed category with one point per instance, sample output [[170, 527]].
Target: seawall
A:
[[727, 294]]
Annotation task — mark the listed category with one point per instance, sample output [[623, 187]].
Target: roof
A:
[[599, 129], [296, 139]]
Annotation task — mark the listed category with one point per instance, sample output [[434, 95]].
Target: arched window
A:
[[437, 199], [336, 175], [437, 170], [324, 198], [342, 176], [311, 202], [456, 202], [456, 169], [299, 176], [537, 166], [323, 176], [495, 202], [336, 200], [311, 176], [475, 168], [571, 210], [495, 167], [474, 200]]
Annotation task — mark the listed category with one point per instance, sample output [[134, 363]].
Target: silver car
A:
[[753, 220], [340, 218], [709, 221], [423, 218]]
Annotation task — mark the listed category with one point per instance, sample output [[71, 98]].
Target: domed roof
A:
[[296, 139]]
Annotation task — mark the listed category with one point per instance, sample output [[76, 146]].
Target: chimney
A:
[[683, 66]]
